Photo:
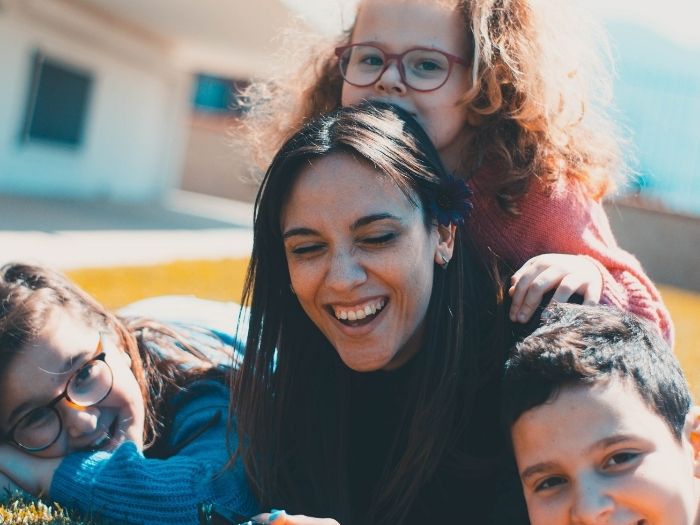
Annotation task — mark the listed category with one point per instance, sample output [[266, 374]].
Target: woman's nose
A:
[[79, 421], [390, 81], [345, 272]]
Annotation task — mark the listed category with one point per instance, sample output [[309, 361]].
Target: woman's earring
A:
[[445, 262], [292, 289]]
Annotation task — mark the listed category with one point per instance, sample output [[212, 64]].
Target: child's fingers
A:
[[568, 286], [519, 289], [593, 292], [280, 517], [539, 286]]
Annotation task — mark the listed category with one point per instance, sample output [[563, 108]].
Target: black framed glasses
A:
[[420, 68], [39, 428]]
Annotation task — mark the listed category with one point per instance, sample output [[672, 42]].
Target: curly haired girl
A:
[[514, 95]]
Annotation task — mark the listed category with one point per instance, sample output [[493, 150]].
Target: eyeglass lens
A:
[[90, 384], [423, 69]]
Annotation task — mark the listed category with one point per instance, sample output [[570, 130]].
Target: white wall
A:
[[136, 120]]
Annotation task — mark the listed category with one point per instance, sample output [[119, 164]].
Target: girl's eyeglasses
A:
[[420, 68], [90, 384]]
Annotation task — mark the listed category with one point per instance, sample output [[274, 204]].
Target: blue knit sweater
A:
[[126, 487]]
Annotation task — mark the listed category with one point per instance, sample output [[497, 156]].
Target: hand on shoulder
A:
[[565, 274]]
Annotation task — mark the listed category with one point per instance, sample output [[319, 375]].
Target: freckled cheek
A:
[[306, 282]]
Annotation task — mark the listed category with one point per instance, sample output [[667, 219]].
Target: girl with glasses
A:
[[120, 417], [513, 94]]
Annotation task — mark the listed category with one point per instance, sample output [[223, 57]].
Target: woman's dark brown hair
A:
[[291, 396]]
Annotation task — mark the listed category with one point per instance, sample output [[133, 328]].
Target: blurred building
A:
[[123, 99]]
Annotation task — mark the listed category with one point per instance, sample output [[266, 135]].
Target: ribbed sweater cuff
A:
[[75, 478]]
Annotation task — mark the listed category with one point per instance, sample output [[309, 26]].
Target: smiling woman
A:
[[372, 357]]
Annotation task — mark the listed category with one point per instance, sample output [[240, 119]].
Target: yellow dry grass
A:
[[223, 280], [209, 279]]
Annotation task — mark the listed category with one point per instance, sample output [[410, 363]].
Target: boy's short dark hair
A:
[[587, 344]]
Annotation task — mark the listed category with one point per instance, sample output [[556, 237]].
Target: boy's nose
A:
[[390, 81], [593, 506], [79, 421]]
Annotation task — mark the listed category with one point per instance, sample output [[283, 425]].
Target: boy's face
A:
[[598, 454]]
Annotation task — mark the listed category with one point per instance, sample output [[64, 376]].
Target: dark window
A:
[[219, 95], [58, 102]]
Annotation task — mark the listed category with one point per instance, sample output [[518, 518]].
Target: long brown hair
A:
[[539, 105], [29, 295], [290, 397]]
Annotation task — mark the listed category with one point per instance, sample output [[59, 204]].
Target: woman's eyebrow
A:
[[364, 221], [298, 231]]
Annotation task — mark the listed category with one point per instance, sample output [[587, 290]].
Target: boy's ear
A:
[[692, 433], [446, 244]]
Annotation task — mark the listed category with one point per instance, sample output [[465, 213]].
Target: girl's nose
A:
[[390, 81], [79, 421]]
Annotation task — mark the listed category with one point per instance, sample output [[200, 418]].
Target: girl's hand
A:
[[569, 274], [280, 517], [30, 473]]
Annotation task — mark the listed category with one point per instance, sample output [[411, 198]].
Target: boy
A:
[[602, 423]]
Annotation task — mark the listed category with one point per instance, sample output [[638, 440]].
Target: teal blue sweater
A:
[[126, 487]]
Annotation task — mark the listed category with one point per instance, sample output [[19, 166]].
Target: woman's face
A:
[[40, 372], [361, 261]]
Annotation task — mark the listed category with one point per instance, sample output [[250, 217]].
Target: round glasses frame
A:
[[51, 405], [398, 57]]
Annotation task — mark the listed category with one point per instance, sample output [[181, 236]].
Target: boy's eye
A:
[[621, 458], [551, 482]]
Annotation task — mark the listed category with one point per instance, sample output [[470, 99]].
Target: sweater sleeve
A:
[[568, 221], [127, 487]]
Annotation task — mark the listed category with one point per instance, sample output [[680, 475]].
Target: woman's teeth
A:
[[358, 313]]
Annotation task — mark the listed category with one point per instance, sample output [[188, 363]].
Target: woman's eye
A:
[[379, 239], [551, 482], [306, 249], [621, 458]]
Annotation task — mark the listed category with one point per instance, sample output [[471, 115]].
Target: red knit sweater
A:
[[566, 221]]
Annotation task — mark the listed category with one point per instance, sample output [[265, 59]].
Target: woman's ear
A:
[[446, 244], [691, 431]]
